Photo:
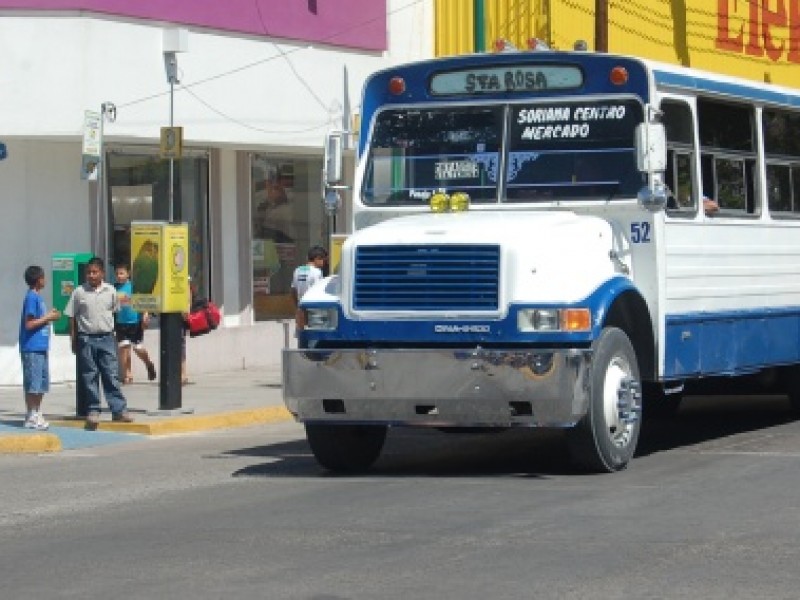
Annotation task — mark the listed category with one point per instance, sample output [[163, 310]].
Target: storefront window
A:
[[138, 190], [287, 220]]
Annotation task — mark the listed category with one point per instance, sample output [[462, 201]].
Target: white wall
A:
[[235, 94], [243, 91], [39, 186]]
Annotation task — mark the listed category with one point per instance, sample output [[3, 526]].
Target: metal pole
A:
[[171, 346], [102, 229], [171, 159]]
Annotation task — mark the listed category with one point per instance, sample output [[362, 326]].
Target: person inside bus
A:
[[710, 207]]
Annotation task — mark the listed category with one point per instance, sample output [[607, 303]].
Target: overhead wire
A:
[[281, 54]]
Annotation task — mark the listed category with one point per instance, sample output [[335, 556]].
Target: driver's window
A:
[[677, 119]]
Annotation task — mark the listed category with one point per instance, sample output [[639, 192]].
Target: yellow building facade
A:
[[755, 39]]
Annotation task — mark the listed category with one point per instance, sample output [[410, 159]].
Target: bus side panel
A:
[[732, 295], [731, 343], [682, 349]]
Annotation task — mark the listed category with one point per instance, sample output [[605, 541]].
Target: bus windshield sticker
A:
[[517, 78], [517, 161], [456, 169], [566, 121]]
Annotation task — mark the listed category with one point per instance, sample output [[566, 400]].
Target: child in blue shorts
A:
[[34, 345]]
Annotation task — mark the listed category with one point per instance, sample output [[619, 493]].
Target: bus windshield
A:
[[554, 150]]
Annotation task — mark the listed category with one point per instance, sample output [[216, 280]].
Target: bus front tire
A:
[[345, 448], [605, 439]]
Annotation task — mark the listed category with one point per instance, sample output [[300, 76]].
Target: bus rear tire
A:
[[346, 448], [605, 439]]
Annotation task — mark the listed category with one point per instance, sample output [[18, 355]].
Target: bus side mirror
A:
[[651, 148], [334, 147]]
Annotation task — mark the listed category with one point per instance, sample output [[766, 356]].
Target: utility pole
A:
[[601, 25], [171, 338]]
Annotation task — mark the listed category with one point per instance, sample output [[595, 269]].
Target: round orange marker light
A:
[[619, 76], [397, 85]]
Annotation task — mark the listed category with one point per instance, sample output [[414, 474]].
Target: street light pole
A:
[[172, 338], [108, 112], [172, 158]]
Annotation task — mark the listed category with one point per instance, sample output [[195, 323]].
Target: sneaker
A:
[[37, 422], [123, 417], [92, 420]]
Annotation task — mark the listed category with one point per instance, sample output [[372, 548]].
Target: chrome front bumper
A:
[[438, 388]]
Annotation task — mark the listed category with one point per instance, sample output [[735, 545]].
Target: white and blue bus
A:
[[552, 239]]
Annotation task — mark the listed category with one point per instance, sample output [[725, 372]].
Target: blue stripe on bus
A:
[[472, 330], [738, 91], [730, 342]]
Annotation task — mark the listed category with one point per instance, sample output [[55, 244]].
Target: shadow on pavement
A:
[[526, 453], [703, 419]]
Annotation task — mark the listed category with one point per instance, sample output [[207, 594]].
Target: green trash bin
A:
[[68, 273]]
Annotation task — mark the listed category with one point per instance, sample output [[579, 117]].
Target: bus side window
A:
[[728, 158], [707, 185], [782, 152]]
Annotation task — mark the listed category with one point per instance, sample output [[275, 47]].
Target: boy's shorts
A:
[[129, 334], [35, 372]]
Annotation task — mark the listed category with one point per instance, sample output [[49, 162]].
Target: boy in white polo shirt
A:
[[91, 311], [304, 277]]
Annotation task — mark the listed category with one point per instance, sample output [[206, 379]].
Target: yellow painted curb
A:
[[190, 423], [29, 443]]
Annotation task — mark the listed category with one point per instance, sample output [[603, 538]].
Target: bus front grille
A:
[[427, 278]]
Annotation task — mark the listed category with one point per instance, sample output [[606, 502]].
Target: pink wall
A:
[[350, 23]]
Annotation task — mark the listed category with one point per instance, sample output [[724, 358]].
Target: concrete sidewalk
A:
[[214, 401]]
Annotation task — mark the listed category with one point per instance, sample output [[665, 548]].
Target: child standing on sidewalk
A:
[[91, 311], [34, 345], [129, 328], [303, 278]]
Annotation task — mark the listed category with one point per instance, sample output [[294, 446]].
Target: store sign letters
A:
[[761, 27]]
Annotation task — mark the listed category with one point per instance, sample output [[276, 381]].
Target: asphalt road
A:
[[709, 509]]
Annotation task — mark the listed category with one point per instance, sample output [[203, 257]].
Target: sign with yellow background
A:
[[754, 39], [160, 267]]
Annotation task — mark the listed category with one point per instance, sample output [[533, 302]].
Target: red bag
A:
[[203, 319]]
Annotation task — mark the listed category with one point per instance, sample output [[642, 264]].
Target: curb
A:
[[34, 443], [189, 423]]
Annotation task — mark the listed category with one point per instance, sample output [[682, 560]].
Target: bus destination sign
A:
[[515, 78]]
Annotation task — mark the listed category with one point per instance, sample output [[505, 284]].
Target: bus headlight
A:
[[322, 319], [554, 319]]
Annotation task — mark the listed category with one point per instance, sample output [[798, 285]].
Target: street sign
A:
[[171, 142], [92, 142], [91, 133]]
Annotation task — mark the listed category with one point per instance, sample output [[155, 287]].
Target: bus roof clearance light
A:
[[618, 75], [397, 85]]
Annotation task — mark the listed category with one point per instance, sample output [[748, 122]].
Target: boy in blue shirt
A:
[[129, 328], [34, 345]]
